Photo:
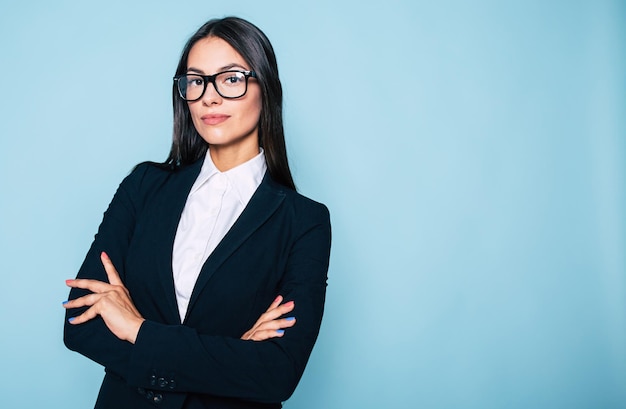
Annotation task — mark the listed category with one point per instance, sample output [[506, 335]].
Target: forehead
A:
[[213, 54]]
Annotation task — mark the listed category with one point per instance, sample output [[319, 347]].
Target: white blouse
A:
[[214, 203]]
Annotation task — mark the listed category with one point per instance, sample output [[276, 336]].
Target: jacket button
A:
[[158, 398], [172, 384], [153, 379], [162, 383], [149, 395]]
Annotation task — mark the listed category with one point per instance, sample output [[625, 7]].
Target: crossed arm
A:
[[105, 321], [113, 302]]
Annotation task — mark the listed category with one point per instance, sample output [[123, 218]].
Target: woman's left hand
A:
[[109, 300], [270, 325]]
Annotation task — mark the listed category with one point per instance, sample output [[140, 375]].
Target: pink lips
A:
[[214, 119]]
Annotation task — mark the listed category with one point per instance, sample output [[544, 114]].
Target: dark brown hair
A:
[[255, 48]]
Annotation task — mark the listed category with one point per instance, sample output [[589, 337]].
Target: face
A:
[[223, 123]]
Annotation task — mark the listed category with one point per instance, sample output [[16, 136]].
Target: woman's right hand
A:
[[270, 325]]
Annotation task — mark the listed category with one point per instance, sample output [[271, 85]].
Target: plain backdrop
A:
[[472, 154]]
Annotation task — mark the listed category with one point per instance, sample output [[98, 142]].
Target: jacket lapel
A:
[[169, 213], [262, 205]]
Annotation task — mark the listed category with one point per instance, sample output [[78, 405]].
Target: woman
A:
[[172, 298]]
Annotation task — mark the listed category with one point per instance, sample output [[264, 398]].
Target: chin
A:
[[224, 139], [213, 138]]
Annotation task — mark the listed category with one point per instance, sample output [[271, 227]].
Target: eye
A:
[[194, 82], [232, 78]]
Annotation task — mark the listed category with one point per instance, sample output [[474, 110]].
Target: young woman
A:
[[172, 298]]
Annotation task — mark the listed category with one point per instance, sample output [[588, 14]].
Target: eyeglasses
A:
[[229, 84]]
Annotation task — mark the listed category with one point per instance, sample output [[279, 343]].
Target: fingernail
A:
[[277, 298], [67, 282], [105, 255], [290, 318], [280, 331], [65, 302], [71, 319]]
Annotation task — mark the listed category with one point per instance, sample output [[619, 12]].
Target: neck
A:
[[225, 158]]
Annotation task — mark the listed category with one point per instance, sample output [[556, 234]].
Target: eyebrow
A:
[[224, 68]]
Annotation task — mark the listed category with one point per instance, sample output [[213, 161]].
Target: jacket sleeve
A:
[[177, 358], [93, 339]]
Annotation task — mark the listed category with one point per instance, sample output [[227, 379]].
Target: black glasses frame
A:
[[210, 79]]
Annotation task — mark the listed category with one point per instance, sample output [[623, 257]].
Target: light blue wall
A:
[[473, 156]]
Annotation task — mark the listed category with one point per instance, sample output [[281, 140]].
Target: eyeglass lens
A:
[[230, 84]]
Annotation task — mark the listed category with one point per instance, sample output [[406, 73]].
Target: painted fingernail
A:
[[280, 331], [65, 302], [71, 319], [290, 318]]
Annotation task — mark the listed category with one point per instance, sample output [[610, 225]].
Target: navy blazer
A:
[[279, 245]]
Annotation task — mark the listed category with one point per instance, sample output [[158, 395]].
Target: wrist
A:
[[132, 337]]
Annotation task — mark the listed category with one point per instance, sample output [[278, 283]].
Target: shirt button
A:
[[158, 398]]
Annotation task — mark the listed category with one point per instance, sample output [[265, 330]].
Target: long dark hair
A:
[[255, 48]]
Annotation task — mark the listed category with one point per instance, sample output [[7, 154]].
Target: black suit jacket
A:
[[279, 245]]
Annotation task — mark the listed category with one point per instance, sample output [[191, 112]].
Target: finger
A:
[[88, 315], [268, 315], [274, 314], [266, 334], [112, 274], [287, 322], [286, 307], [86, 300], [275, 303], [277, 324], [88, 284], [261, 331], [264, 329], [277, 311]]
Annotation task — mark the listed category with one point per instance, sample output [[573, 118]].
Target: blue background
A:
[[473, 156]]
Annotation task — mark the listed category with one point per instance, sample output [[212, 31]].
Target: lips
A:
[[214, 119]]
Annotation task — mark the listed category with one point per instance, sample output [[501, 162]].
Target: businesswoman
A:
[[205, 284]]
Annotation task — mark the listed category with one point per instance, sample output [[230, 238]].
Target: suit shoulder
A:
[[150, 175], [141, 176], [301, 200], [305, 205], [150, 170]]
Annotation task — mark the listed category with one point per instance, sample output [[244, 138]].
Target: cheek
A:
[[255, 114], [254, 110], [193, 110], [195, 117], [253, 95]]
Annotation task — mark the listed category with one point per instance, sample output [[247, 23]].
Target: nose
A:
[[211, 97]]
